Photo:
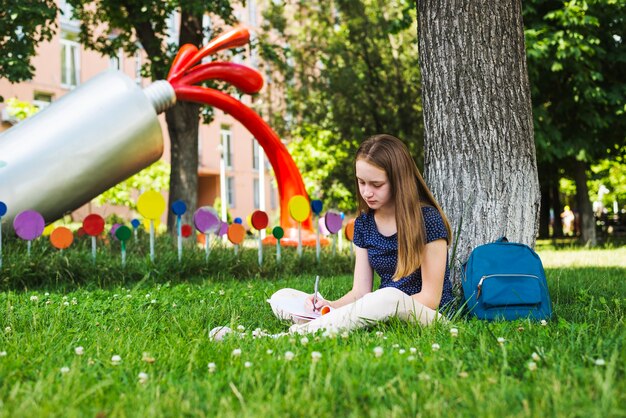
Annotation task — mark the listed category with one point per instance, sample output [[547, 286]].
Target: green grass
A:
[[470, 375]]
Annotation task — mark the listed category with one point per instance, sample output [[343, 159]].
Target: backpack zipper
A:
[[480, 283]]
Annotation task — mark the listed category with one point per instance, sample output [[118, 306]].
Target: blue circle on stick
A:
[[238, 221], [179, 207], [3, 208], [135, 223], [316, 206]]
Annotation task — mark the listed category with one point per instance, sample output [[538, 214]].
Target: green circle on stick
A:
[[151, 205], [278, 232], [123, 233]]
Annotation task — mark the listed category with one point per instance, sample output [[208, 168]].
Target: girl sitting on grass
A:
[[402, 234]]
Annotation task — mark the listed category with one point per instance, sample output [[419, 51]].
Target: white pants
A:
[[379, 305]]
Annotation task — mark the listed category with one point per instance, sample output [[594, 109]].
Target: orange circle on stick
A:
[[349, 231], [299, 208], [259, 220], [236, 233], [61, 237]]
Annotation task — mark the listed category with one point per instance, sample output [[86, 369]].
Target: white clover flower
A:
[[211, 367], [142, 377], [65, 369], [153, 301], [148, 295], [345, 334], [379, 333], [435, 346], [247, 364], [74, 301], [241, 328], [221, 293], [257, 332], [413, 350], [48, 302], [8, 330], [3, 353], [544, 322], [66, 303], [236, 352], [401, 351], [304, 340], [34, 298], [463, 375], [454, 332], [501, 340], [395, 346], [174, 305], [46, 294], [201, 300], [532, 366], [410, 358], [64, 297], [269, 351], [423, 376], [378, 351], [128, 296], [289, 355], [315, 356], [79, 351], [535, 356], [115, 359], [115, 296], [599, 362]]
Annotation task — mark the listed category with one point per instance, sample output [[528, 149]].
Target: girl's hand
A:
[[321, 302]]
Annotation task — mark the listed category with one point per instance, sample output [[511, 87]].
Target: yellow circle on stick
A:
[[299, 208], [151, 205]]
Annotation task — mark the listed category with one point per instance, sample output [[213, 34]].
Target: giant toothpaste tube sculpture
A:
[[107, 130]]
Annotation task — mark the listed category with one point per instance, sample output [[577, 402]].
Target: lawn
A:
[[139, 347]]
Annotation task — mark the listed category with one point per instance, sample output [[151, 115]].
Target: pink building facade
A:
[[231, 163]]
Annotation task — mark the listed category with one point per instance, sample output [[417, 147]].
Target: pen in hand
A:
[[317, 282]]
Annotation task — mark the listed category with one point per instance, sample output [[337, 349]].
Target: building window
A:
[[255, 154], [42, 100], [230, 191], [115, 62], [256, 191], [226, 139], [70, 60]]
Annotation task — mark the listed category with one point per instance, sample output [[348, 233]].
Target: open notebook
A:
[[292, 308]]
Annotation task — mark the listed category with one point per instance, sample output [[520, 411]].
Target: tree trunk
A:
[[479, 149], [586, 221], [182, 125]]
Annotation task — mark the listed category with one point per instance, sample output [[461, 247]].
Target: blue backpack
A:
[[505, 280]]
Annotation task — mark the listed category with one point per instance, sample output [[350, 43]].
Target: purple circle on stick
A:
[[205, 220], [114, 230], [333, 222], [29, 225], [223, 229]]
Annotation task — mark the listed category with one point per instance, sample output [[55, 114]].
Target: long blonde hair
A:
[[409, 193]]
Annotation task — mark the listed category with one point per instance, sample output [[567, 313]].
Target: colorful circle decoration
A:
[[299, 208], [316, 206], [151, 205], [93, 225], [123, 233], [333, 221], [350, 230], [61, 238], [236, 233], [322, 226], [29, 225], [206, 220], [179, 207], [238, 221], [278, 232], [3, 209], [80, 232], [223, 229], [113, 230], [135, 223], [186, 230], [259, 220], [47, 230]]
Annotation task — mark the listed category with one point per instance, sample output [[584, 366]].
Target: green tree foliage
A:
[[23, 25], [20, 109], [154, 177], [350, 71]]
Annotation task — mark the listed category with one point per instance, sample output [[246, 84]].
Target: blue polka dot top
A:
[[382, 252]]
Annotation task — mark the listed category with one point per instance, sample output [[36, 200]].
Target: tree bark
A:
[[586, 221], [479, 148]]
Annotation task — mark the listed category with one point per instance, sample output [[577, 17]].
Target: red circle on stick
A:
[[259, 220], [185, 230], [93, 225], [236, 233], [61, 238]]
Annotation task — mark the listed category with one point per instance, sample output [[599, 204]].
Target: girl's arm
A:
[[433, 273], [362, 284]]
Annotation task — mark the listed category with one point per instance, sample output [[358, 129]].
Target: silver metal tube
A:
[[88, 141]]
